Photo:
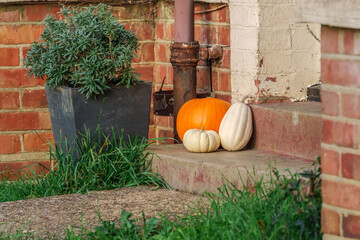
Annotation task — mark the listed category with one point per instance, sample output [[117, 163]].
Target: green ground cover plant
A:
[[286, 207], [114, 163]]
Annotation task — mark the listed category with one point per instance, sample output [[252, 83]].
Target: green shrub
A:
[[85, 48]]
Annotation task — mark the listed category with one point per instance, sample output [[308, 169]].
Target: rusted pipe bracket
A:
[[212, 53], [184, 54]]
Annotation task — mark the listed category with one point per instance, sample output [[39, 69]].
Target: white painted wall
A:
[[272, 57]]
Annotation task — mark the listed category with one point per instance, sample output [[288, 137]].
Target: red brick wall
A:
[[340, 96], [156, 31], [23, 107]]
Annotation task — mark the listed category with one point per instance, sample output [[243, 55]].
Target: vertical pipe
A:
[[184, 20], [184, 56]]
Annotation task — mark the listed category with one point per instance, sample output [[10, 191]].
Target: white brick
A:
[[244, 38], [244, 15], [277, 15], [242, 85], [244, 62], [302, 39], [299, 83], [275, 39], [276, 62]]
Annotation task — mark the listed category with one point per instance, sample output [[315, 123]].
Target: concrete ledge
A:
[[110, 2], [199, 172], [293, 129], [337, 13]]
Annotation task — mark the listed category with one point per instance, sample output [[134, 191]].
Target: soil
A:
[[52, 215]]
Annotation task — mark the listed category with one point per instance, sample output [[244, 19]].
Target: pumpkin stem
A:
[[202, 129]]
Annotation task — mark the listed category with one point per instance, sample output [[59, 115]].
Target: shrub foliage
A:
[[85, 48]]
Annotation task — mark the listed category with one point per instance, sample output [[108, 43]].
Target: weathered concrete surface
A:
[[344, 13], [293, 129], [198, 172], [52, 215]]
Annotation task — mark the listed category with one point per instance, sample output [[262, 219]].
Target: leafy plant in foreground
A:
[[85, 48]]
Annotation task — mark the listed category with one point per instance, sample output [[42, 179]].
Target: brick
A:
[[341, 194], [160, 73], [162, 121], [340, 72], [202, 34], [350, 166], [223, 97], [351, 226], [165, 10], [169, 31], [224, 15], [16, 169], [203, 78], [330, 162], [9, 144], [224, 35], [349, 42], [330, 222], [342, 134], [225, 81], [9, 56], [170, 74], [34, 99], [350, 105], [143, 11], [166, 134], [9, 100], [330, 103], [152, 133], [160, 30], [329, 40], [143, 30], [147, 72], [163, 52], [13, 78], [215, 81], [152, 116], [20, 34], [24, 121], [199, 16], [148, 52], [137, 58], [37, 13], [9, 14], [38, 142], [224, 62]]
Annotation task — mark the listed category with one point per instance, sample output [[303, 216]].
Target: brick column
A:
[[340, 96]]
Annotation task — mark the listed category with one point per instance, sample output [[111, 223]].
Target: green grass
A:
[[100, 166], [286, 207], [279, 209]]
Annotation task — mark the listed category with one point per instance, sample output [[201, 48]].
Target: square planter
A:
[[127, 109]]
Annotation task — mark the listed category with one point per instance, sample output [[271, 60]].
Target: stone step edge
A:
[[199, 172]]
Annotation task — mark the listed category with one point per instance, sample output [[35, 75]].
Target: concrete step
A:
[[197, 172], [292, 129]]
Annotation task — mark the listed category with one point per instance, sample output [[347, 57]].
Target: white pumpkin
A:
[[201, 141], [236, 127]]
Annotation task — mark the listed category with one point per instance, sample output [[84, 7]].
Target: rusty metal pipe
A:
[[184, 56], [184, 20]]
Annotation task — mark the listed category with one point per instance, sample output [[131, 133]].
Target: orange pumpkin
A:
[[201, 112]]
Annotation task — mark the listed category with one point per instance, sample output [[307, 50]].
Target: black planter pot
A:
[[122, 108]]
